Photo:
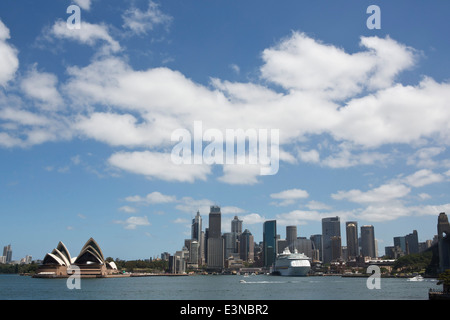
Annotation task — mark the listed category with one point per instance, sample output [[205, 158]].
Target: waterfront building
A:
[[368, 248], [351, 228], [302, 245], [317, 246], [247, 246], [412, 242], [331, 230], [291, 235], [90, 261], [269, 242], [215, 240], [7, 253], [236, 230], [198, 235]]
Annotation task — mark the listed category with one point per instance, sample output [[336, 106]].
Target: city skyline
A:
[[89, 116]]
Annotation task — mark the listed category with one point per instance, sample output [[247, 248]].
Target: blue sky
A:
[[86, 118]]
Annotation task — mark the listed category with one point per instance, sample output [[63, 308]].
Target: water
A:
[[214, 287]]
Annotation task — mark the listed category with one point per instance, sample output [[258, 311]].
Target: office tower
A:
[[412, 241], [236, 226], [7, 252], [247, 246], [400, 243], [269, 242], [303, 245], [230, 244], [336, 248], [291, 235], [196, 227], [351, 229], [215, 239], [368, 241], [317, 246], [236, 230], [331, 227], [197, 235]]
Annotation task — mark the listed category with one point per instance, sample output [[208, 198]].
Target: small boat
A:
[[416, 278]]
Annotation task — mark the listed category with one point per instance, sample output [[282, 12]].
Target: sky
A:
[[90, 102]]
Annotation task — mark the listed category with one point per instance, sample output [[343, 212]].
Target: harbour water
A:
[[215, 287]]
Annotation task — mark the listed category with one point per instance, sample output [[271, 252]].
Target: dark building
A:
[[331, 227], [269, 242], [351, 228]]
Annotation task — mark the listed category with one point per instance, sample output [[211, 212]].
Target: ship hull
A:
[[292, 271]]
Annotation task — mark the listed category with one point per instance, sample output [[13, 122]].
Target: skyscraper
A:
[[291, 235], [215, 240], [7, 252], [269, 242], [196, 228], [331, 227], [197, 235], [351, 229], [236, 226], [247, 244], [236, 231], [368, 241]]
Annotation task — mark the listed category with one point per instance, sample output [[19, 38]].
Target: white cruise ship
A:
[[292, 264]]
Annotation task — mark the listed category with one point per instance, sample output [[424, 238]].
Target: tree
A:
[[444, 279]]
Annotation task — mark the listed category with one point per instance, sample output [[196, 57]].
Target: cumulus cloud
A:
[[141, 22], [88, 34], [288, 197], [9, 62]]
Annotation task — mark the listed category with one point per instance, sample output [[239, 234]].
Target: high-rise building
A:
[[368, 248], [236, 231], [412, 241], [236, 226], [197, 235], [291, 235], [247, 246], [215, 240], [351, 229], [331, 227], [317, 246], [269, 242], [196, 227], [7, 252]]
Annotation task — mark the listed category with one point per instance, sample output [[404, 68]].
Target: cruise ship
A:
[[292, 264]]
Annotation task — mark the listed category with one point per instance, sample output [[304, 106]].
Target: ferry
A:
[[292, 264]]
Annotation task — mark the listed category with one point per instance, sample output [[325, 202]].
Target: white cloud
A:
[[152, 198], [384, 193], [84, 4], [158, 165], [302, 63], [141, 22], [246, 174], [42, 87], [423, 177], [128, 209], [9, 62], [89, 34], [289, 196], [133, 222]]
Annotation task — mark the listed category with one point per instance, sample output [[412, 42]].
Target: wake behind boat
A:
[[292, 264]]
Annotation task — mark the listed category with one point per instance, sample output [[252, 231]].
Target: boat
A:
[[416, 278], [292, 264]]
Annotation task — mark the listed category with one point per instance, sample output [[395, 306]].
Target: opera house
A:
[[90, 262]]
